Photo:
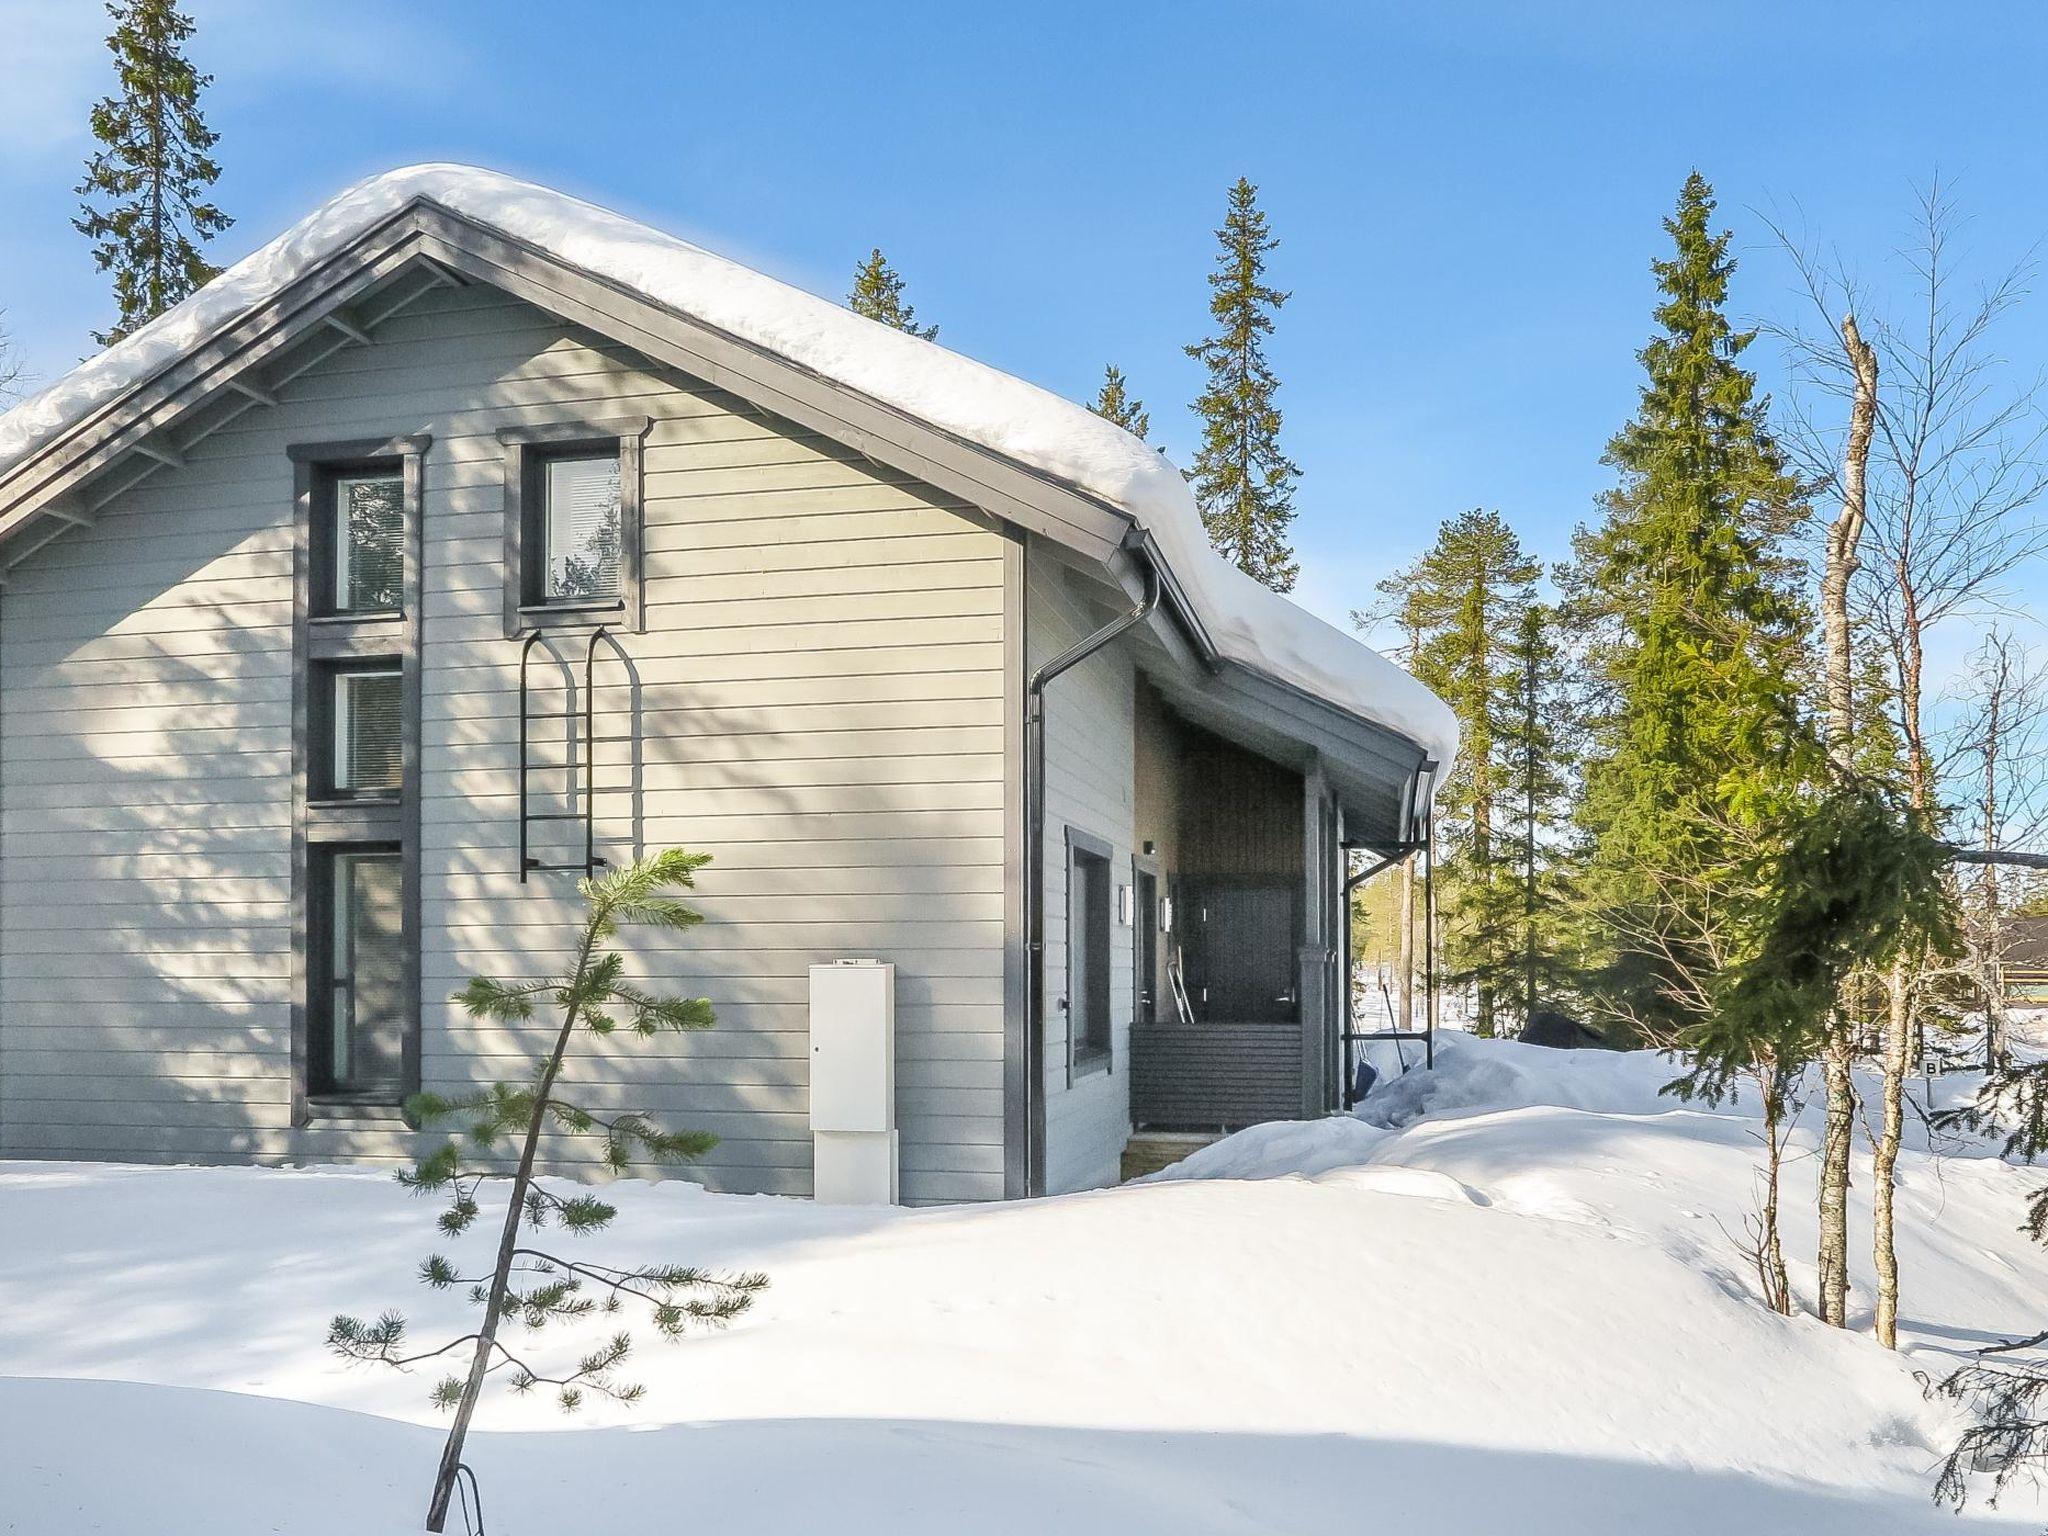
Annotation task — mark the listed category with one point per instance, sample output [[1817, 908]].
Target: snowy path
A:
[[1521, 1319]]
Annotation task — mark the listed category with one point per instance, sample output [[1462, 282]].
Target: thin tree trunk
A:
[[1837, 1061], [1845, 535], [508, 1244], [1778, 1281], [1884, 1158]]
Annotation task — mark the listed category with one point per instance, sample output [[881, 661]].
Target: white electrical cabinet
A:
[[853, 1082]]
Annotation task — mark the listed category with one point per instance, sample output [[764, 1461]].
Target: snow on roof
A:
[[1250, 625]]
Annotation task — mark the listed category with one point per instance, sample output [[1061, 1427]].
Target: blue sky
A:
[[1468, 194]]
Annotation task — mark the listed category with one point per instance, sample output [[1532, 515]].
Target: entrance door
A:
[[1242, 965]]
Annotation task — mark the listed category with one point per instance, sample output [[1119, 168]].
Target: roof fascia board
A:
[[119, 426]]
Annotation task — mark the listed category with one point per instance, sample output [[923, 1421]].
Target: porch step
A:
[[1150, 1151]]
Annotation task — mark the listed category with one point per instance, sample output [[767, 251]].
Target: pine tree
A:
[[1465, 602], [530, 1287], [878, 294], [1244, 483], [1693, 635], [143, 198], [1114, 403]]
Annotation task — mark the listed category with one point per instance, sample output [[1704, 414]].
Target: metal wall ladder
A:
[[579, 800]]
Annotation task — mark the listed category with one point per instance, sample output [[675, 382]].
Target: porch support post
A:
[[1313, 988]]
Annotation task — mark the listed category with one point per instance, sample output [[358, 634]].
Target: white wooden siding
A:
[[1088, 785], [820, 692]]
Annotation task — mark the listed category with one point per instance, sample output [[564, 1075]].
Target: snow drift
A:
[[1251, 625], [1512, 1306]]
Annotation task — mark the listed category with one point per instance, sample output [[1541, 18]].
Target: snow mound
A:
[[1523, 1317], [1474, 1073], [1251, 625]]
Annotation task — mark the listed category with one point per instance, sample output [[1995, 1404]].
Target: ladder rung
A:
[[535, 864], [555, 816]]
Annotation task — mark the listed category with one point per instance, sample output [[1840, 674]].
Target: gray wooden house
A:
[[467, 536]]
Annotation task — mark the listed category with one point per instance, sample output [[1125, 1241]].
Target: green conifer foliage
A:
[[1464, 604], [531, 1287], [1114, 403], [878, 294], [1693, 635], [1244, 483], [144, 197]]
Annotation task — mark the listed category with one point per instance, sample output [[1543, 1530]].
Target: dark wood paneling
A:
[[1200, 1076]]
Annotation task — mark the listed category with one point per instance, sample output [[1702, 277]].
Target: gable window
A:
[[359, 1015], [360, 549], [1089, 932], [360, 729], [572, 524], [580, 526]]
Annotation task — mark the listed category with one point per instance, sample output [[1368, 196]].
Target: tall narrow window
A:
[[365, 550], [359, 1015], [364, 729], [582, 528], [1088, 944]]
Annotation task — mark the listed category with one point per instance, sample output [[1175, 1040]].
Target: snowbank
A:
[[1252, 625], [1527, 1319]]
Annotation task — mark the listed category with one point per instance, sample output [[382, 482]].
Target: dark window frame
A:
[[324, 551], [321, 1088], [1095, 1055], [321, 739], [527, 452], [321, 643]]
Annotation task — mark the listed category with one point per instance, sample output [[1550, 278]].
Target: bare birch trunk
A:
[[1777, 1280], [1845, 534], [1884, 1159], [1837, 1136]]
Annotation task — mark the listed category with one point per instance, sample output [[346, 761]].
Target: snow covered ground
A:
[[1509, 1305]]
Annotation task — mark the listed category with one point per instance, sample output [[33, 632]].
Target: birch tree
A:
[[1949, 468]]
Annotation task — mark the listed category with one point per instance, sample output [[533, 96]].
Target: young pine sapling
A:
[[528, 1286]]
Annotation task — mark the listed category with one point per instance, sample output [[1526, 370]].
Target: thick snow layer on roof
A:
[[1251, 625]]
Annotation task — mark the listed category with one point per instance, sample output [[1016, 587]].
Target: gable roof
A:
[[1242, 620]]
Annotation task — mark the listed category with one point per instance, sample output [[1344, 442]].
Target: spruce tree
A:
[[1693, 635], [144, 197], [1537, 763], [1464, 604], [1244, 483], [1114, 403], [878, 293]]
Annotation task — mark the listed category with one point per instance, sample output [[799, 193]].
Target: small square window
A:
[[364, 542], [573, 524], [582, 528], [363, 728]]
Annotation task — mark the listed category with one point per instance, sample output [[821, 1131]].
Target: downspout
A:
[[1034, 863]]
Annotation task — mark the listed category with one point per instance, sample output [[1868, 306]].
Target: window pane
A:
[[582, 528], [366, 1022], [368, 734], [369, 526]]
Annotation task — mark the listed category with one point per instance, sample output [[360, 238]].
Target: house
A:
[[468, 536]]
